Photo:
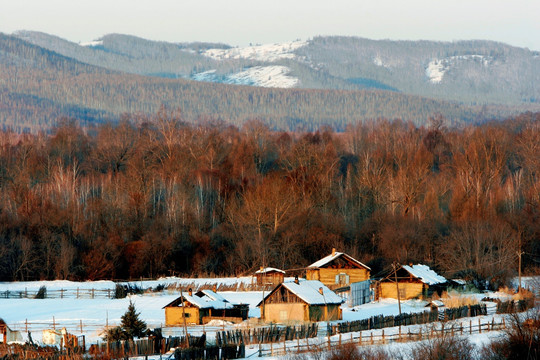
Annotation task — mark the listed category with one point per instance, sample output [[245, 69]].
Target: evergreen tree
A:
[[132, 325]]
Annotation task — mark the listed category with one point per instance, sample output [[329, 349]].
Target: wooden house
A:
[[301, 300], [202, 307], [337, 270], [413, 281], [269, 276]]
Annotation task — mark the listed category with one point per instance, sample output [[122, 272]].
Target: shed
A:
[[269, 276], [414, 281], [338, 269], [7, 335], [202, 307], [301, 300]]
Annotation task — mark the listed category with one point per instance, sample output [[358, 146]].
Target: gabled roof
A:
[[205, 299], [335, 255], [269, 269], [308, 291], [424, 274]]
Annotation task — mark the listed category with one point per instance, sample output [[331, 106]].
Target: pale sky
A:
[[240, 22]]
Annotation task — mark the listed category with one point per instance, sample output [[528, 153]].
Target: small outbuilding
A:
[[269, 276], [413, 281], [301, 300], [202, 307], [337, 270]]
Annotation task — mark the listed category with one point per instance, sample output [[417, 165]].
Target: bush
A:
[[42, 293], [446, 347], [353, 352], [121, 291], [521, 340]]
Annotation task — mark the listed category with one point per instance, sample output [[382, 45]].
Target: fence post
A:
[[77, 293], [479, 327], [372, 338], [53, 324], [81, 326], [360, 338], [339, 339], [92, 293], [383, 336], [470, 326]]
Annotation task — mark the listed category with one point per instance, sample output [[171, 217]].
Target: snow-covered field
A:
[[90, 316]]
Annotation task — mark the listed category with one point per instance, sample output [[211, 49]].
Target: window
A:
[[342, 279], [402, 293], [186, 315], [283, 315]]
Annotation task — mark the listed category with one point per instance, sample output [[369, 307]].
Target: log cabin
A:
[[201, 308], [414, 281], [300, 300], [269, 276], [337, 270]]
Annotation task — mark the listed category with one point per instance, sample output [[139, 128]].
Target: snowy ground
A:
[[90, 316]]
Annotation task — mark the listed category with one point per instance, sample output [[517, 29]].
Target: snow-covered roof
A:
[[308, 291], [328, 259], [269, 269], [436, 303], [204, 299], [424, 274]]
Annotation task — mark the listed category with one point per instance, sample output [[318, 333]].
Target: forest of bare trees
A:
[[158, 196]]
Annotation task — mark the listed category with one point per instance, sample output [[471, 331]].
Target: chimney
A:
[[190, 292], [333, 251], [321, 291], [296, 281]]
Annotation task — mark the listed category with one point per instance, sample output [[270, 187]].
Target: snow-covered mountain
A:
[[470, 72]]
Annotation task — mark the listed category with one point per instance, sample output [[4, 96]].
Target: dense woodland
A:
[[155, 196]]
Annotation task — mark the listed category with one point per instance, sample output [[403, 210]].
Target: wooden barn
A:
[[202, 307], [337, 270], [301, 300], [269, 276], [414, 281]]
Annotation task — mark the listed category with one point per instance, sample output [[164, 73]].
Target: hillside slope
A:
[[37, 86], [471, 72]]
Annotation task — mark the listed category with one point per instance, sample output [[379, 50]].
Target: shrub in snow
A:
[[521, 340], [42, 293], [445, 347]]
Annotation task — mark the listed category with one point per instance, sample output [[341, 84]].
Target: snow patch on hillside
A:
[[264, 76], [267, 52], [437, 68], [92, 43]]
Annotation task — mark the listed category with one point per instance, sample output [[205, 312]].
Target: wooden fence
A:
[[370, 338], [266, 334], [379, 322], [60, 294]]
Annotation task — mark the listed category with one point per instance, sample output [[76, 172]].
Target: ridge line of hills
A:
[[39, 85]]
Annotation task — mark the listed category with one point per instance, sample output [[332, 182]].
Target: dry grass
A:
[[454, 299]]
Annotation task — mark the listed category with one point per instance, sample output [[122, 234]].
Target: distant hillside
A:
[[471, 72], [37, 86]]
